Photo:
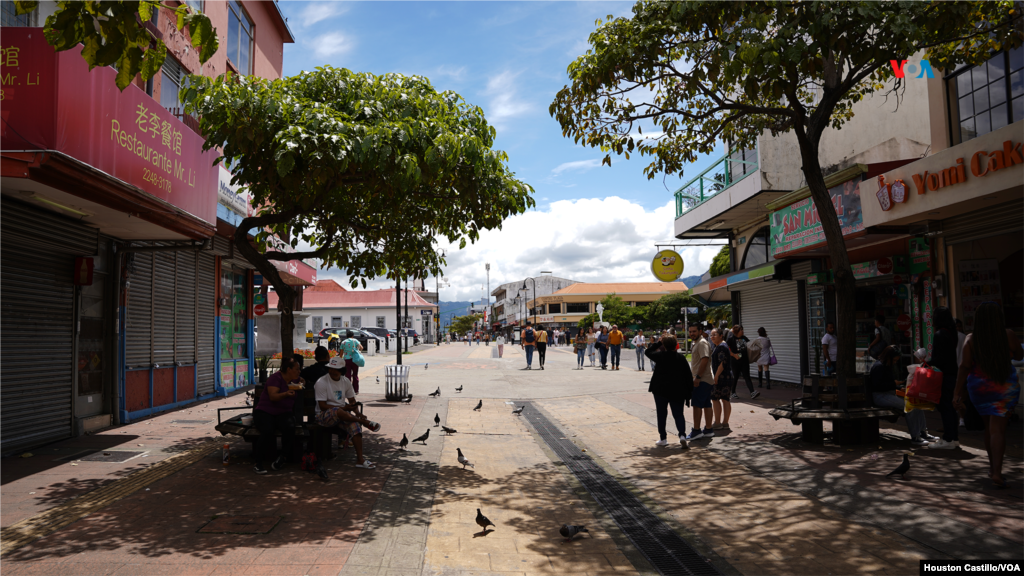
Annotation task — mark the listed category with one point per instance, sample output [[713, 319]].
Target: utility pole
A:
[[398, 318], [407, 310], [487, 306]]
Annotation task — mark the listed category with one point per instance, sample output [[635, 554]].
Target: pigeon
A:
[[479, 405], [425, 366], [902, 469], [465, 462], [437, 420], [378, 380], [568, 531], [448, 431], [407, 399], [436, 393], [321, 471], [459, 389], [404, 442], [518, 410], [482, 520], [423, 438]]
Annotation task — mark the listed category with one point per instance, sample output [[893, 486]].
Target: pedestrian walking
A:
[[703, 383], [615, 340], [764, 361], [830, 349], [529, 344], [348, 348], [542, 345], [737, 343], [944, 358], [721, 370], [671, 385], [581, 347], [591, 342], [640, 344], [500, 342], [487, 339], [987, 376], [602, 346]]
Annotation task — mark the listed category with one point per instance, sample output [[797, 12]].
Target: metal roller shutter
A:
[[775, 307], [185, 316], [206, 292], [37, 309], [984, 223], [139, 318]]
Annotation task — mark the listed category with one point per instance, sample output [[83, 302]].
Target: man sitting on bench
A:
[[336, 409]]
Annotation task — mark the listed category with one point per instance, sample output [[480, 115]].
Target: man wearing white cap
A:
[[336, 408]]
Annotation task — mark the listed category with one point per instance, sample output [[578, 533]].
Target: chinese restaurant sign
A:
[[797, 227], [52, 101]]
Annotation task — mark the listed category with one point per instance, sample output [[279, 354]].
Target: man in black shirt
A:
[[317, 370], [741, 364]]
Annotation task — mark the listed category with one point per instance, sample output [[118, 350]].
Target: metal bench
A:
[[842, 401]]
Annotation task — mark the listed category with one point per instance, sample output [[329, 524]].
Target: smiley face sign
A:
[[667, 266]]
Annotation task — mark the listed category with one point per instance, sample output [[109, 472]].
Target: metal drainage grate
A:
[[240, 525], [111, 456], [191, 421], [660, 544]]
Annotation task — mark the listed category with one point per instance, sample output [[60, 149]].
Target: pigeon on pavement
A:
[[568, 531], [407, 399], [378, 379], [459, 389], [465, 462], [518, 410], [404, 442], [436, 392], [437, 420], [448, 431], [902, 469], [482, 520], [425, 366], [423, 438], [479, 405]]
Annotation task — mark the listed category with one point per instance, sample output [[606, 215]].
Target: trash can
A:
[[396, 382]]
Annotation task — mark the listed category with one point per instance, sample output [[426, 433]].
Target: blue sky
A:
[[510, 58]]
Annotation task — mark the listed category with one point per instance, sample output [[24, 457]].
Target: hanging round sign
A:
[[903, 322], [667, 266]]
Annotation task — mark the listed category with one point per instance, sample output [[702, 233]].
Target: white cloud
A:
[[318, 11], [589, 240], [579, 165], [331, 44], [504, 104], [452, 72]]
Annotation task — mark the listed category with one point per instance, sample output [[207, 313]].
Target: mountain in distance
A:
[[459, 308], [692, 281]]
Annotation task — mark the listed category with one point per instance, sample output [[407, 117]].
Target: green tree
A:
[[113, 34], [463, 324], [666, 310], [720, 264], [707, 72], [362, 172]]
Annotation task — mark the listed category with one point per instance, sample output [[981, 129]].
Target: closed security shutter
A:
[[206, 292], [163, 308], [984, 223], [138, 326], [37, 316], [185, 309], [774, 306], [161, 322]]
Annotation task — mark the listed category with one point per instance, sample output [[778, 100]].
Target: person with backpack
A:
[[883, 338], [529, 344]]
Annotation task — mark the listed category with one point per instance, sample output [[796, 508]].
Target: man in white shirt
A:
[[336, 408], [640, 343], [830, 348]]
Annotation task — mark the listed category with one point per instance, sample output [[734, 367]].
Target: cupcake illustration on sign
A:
[[898, 191], [667, 266]]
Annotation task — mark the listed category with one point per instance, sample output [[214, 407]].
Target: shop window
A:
[[171, 77], [986, 97], [554, 308], [382, 322], [577, 307], [9, 15], [758, 250], [233, 314], [357, 322], [239, 38]]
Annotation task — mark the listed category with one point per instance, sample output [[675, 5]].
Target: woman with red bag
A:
[[944, 358], [882, 384], [987, 375]]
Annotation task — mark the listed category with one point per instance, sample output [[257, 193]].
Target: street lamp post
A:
[[534, 297]]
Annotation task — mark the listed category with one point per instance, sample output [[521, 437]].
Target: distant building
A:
[[510, 298], [566, 307]]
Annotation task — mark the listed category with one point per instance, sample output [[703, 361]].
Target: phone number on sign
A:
[[157, 180]]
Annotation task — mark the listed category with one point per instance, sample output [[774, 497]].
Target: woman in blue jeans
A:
[[672, 386], [580, 344], [883, 392], [602, 346]]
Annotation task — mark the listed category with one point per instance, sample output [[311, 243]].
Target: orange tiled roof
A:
[[624, 288], [326, 286]]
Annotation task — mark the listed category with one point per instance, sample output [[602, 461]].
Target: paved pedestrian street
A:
[[752, 500]]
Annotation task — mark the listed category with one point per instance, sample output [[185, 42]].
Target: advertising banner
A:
[[881, 267], [227, 374], [797, 227], [52, 101]]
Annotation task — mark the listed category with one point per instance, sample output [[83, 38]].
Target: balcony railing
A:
[[188, 120], [724, 173]]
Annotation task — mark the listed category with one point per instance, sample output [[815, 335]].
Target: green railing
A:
[[725, 172]]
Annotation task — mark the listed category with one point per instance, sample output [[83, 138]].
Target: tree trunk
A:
[[846, 312]]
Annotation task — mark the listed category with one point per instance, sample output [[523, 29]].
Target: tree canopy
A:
[[113, 33], [720, 263], [463, 324], [359, 171], [696, 74]]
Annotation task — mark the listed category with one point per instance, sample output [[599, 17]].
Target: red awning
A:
[[295, 273]]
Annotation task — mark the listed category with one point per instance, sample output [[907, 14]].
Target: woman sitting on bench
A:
[[273, 413], [882, 384]]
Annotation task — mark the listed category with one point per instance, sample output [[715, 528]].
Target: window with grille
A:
[[357, 322], [987, 97], [171, 76], [577, 307], [9, 15], [335, 321], [382, 322], [239, 38], [318, 323]]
